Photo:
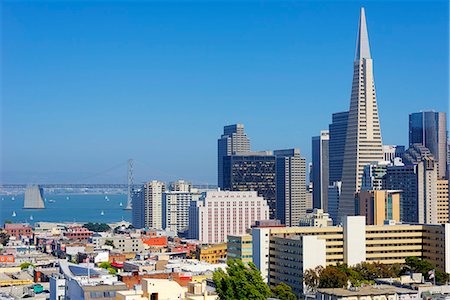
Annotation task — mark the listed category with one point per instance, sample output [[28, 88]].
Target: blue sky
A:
[[87, 85]]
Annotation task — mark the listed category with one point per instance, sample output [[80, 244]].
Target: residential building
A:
[[240, 247], [233, 141], [320, 170], [316, 218], [221, 213], [83, 282], [19, 230], [442, 201], [363, 142], [147, 205], [253, 171], [378, 206], [429, 128], [175, 206], [77, 232], [290, 186], [212, 254], [122, 243], [279, 250]]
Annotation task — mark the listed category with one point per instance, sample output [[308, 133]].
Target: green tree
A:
[[283, 292], [332, 277], [8, 222], [25, 265], [311, 278], [240, 281], [112, 271], [4, 238], [97, 227], [110, 243], [105, 265]]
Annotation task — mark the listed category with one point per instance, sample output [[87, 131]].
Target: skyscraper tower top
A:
[[362, 41]]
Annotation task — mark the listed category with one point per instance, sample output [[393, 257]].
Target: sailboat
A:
[[67, 198], [14, 214], [121, 203], [102, 213], [13, 198], [31, 217]]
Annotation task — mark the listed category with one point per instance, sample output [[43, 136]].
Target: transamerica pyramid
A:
[[363, 143]]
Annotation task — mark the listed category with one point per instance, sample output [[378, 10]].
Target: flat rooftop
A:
[[367, 291]]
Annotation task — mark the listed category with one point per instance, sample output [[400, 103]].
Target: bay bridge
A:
[[129, 186]]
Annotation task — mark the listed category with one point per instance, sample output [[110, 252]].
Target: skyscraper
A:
[[175, 205], [429, 128], [253, 171], [338, 134], [417, 179], [320, 171], [232, 141], [290, 186], [147, 205], [363, 142]]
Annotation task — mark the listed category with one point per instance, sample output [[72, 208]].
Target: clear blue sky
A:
[[87, 85]]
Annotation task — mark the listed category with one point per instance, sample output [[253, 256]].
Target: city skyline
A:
[[25, 125]]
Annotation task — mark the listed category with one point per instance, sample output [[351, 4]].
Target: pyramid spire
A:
[[362, 41]]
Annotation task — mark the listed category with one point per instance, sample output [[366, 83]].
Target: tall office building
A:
[[338, 134], [233, 141], [378, 206], [334, 193], [320, 171], [429, 128], [175, 205], [253, 171], [391, 152], [373, 175], [290, 186], [147, 205], [417, 179], [442, 201], [221, 213], [363, 143]]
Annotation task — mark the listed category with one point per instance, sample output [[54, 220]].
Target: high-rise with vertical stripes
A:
[[363, 143]]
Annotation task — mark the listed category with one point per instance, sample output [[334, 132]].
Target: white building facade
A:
[[220, 213]]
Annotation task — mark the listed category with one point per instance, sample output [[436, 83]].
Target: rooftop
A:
[[367, 291]]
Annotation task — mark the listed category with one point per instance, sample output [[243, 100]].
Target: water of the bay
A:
[[67, 208]]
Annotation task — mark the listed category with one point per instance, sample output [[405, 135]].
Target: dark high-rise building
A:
[[417, 179], [254, 171], [233, 141], [291, 204], [429, 128], [336, 145], [320, 170]]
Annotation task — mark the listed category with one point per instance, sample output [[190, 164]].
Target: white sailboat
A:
[[102, 213], [14, 214], [31, 217], [121, 203], [67, 198], [13, 198]]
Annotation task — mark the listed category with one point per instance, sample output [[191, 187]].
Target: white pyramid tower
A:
[[363, 144]]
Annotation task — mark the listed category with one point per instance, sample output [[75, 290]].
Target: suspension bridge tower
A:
[[130, 183]]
